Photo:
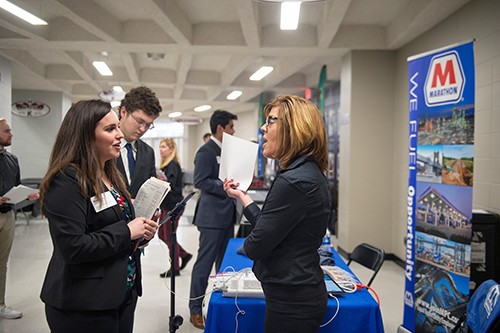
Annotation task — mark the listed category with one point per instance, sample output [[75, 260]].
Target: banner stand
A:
[[440, 182]]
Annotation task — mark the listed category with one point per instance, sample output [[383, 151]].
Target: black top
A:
[[88, 267], [174, 176], [10, 176], [289, 230]]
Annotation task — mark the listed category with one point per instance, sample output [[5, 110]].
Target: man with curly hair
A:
[[138, 111]]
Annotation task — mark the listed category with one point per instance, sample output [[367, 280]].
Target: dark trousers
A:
[[213, 243], [119, 320], [294, 309]]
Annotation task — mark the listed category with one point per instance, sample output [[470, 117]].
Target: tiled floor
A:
[[32, 249]]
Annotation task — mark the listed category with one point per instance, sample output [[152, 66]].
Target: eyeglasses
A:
[[270, 120], [141, 123]]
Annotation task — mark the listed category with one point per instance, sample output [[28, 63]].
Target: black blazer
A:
[[143, 170], [88, 268], [214, 209]]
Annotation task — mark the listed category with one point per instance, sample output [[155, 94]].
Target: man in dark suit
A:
[[215, 212], [138, 110]]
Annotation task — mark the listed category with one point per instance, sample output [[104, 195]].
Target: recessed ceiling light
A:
[[175, 114], [21, 13], [117, 88], [202, 108], [261, 73], [290, 12], [102, 68], [234, 95], [156, 56]]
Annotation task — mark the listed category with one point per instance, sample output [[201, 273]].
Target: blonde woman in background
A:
[[170, 164]]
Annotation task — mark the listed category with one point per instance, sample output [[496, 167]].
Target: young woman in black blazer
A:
[[289, 229], [94, 276]]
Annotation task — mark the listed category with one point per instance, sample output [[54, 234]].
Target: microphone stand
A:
[[175, 320]]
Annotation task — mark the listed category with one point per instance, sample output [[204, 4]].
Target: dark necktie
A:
[[131, 161]]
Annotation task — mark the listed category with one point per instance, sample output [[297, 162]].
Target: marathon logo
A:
[[445, 80]]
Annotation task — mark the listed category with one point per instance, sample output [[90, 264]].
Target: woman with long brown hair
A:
[[170, 164], [94, 276], [289, 229]]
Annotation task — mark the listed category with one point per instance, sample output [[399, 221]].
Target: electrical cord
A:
[[360, 286], [336, 312]]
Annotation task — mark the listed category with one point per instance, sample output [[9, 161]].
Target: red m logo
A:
[[438, 72]]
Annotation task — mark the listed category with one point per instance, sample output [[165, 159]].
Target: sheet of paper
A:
[[238, 159], [19, 193], [150, 196]]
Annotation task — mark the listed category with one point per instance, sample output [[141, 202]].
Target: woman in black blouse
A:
[[170, 164], [94, 276], [289, 229]]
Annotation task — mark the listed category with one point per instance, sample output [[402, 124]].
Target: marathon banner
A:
[[439, 194]]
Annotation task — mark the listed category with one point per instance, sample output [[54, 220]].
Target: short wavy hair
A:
[[141, 98], [301, 130]]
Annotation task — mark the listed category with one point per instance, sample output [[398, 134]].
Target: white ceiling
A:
[[211, 47]]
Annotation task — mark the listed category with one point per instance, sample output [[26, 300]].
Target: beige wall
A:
[[479, 20], [374, 128], [366, 118], [34, 137]]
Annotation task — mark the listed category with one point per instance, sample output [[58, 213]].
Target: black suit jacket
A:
[[214, 209], [143, 170], [88, 268]]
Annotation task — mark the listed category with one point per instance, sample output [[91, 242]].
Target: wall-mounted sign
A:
[[188, 120], [30, 108], [111, 95]]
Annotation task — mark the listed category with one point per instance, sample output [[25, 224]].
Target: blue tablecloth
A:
[[359, 312]]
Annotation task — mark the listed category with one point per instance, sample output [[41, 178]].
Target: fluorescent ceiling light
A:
[[202, 108], [290, 15], [117, 88], [234, 95], [102, 68], [175, 114], [115, 103], [259, 75], [21, 13]]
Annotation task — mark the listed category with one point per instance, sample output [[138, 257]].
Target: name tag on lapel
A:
[[108, 200], [218, 159]]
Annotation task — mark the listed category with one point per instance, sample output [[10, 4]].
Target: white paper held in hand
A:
[[238, 159], [150, 196], [19, 193]]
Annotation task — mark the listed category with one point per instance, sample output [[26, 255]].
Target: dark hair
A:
[[220, 117], [141, 98], [206, 135], [75, 147]]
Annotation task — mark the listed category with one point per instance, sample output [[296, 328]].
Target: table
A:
[[359, 312]]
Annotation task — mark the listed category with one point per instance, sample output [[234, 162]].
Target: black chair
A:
[[369, 256]]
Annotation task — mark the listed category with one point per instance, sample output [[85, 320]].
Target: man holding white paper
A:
[[215, 212], [10, 176]]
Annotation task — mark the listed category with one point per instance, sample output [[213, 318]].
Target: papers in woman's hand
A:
[[150, 196], [238, 158], [19, 193]]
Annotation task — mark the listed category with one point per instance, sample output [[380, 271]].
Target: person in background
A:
[[138, 110], [215, 212], [288, 231], [206, 137], [94, 275], [170, 164], [10, 176]]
